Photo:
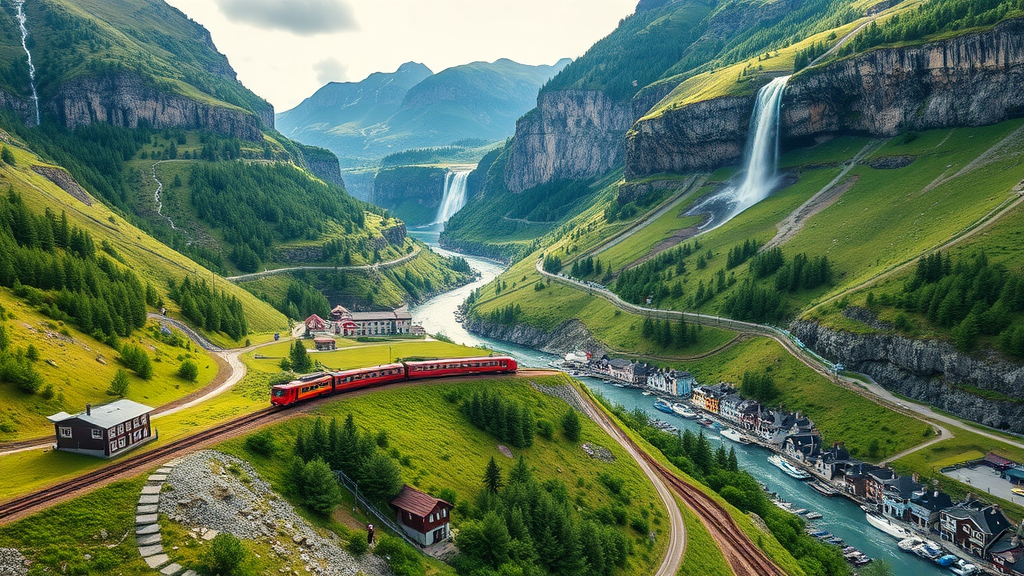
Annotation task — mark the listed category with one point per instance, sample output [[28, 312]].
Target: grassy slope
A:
[[448, 452], [77, 377], [32, 470]]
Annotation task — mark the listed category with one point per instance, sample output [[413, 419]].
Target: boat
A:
[[786, 466], [887, 526], [617, 385], [735, 436], [946, 560], [964, 568], [929, 550], [1018, 490], [855, 557], [646, 393], [706, 422], [663, 406], [684, 411], [813, 515], [908, 544], [823, 489]]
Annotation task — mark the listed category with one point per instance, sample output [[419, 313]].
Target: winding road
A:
[[364, 267]]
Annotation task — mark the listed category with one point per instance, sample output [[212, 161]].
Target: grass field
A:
[[445, 451], [702, 558], [78, 369], [840, 414]]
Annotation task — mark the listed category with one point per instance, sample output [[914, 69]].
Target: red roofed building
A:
[[422, 517], [316, 324]]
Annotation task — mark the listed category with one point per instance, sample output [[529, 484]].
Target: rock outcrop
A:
[[570, 336], [571, 134], [125, 99], [970, 80], [985, 390], [701, 136], [405, 186]]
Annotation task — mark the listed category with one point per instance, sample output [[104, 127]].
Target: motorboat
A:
[[964, 568], [823, 489], [735, 436], [663, 406], [789, 468], [646, 393], [908, 544], [888, 526], [812, 515], [706, 422], [684, 411], [946, 560], [929, 550]]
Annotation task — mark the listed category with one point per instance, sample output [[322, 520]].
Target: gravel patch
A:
[[210, 490], [562, 392], [12, 563]]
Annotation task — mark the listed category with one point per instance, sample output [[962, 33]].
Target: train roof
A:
[[467, 359], [365, 368]]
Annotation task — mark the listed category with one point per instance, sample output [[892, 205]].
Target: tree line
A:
[[211, 309], [667, 334], [54, 266], [505, 419]]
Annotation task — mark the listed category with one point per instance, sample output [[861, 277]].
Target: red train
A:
[[326, 383]]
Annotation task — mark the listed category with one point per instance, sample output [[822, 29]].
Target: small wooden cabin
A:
[[422, 517], [325, 344], [103, 431]]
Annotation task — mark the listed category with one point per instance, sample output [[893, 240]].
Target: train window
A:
[[278, 393]]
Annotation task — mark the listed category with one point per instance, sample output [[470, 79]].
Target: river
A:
[[840, 516]]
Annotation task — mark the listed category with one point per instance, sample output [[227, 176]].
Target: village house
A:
[[804, 447], [925, 507], [670, 383], [316, 326], [641, 371], [380, 323], [1007, 553], [896, 496], [325, 344], [774, 426], [855, 478], [103, 431], [876, 481], [421, 516], [750, 414], [729, 407], [972, 526], [621, 370], [833, 462]]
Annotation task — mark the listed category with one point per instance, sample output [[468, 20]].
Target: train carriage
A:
[[303, 388], [372, 376], [460, 367]]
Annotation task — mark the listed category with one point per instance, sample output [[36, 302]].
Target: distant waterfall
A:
[[20, 6], [760, 164], [454, 196]]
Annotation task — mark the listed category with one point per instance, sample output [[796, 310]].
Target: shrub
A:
[[137, 360], [225, 556], [7, 156], [545, 428], [402, 559], [357, 545], [188, 371], [285, 364], [640, 525], [318, 488], [119, 385], [571, 425], [261, 443], [32, 353]]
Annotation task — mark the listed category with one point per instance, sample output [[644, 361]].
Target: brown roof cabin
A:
[[104, 431], [323, 344], [422, 517]]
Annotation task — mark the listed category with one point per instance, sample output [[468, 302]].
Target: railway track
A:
[[13, 509]]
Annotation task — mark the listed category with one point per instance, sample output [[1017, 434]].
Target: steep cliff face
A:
[[413, 193], [971, 80], [701, 136], [126, 99], [572, 134], [570, 336], [929, 371]]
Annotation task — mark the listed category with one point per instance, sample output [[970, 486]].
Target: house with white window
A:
[[421, 516], [104, 431]]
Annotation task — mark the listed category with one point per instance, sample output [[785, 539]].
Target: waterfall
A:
[[454, 196], [20, 6], [760, 160]]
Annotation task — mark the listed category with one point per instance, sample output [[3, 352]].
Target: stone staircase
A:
[[147, 527]]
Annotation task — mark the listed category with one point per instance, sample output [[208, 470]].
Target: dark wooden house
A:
[[973, 526], [103, 431], [422, 517]]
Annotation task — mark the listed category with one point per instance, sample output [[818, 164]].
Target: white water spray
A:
[[454, 196], [761, 159], [20, 6]]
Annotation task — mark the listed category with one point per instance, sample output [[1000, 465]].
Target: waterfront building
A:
[[972, 526]]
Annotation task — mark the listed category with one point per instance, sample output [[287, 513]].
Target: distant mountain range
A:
[[412, 107]]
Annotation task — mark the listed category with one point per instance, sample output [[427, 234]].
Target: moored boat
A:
[[964, 568], [823, 489], [684, 411], [946, 560], [706, 422], [885, 525], [663, 406], [735, 436], [786, 466]]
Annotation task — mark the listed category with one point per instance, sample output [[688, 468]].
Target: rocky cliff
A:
[[569, 336], [986, 390], [571, 134], [970, 80], [701, 136], [126, 99], [413, 192]]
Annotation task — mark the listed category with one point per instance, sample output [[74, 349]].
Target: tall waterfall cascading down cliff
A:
[[20, 6], [454, 196], [761, 159]]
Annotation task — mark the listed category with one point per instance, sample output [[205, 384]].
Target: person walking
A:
[[369, 534]]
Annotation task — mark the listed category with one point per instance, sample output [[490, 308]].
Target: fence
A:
[[384, 519]]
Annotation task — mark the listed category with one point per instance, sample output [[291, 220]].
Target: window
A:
[[431, 518], [113, 446], [110, 431], [120, 428], [120, 442], [128, 425], [135, 422], [97, 434], [65, 432], [142, 420]]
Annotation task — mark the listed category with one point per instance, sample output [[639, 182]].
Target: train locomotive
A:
[[319, 384]]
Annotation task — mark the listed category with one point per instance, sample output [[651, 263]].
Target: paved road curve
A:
[[377, 266]]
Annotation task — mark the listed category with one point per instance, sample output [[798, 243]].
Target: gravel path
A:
[[12, 563], [213, 491]]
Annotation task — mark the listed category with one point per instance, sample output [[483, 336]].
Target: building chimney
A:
[[88, 409]]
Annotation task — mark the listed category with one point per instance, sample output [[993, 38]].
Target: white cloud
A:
[[330, 70], [297, 16]]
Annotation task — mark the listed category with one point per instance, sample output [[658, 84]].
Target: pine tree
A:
[[492, 477], [119, 385]]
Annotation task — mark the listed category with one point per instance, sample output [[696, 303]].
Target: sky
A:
[[284, 50]]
